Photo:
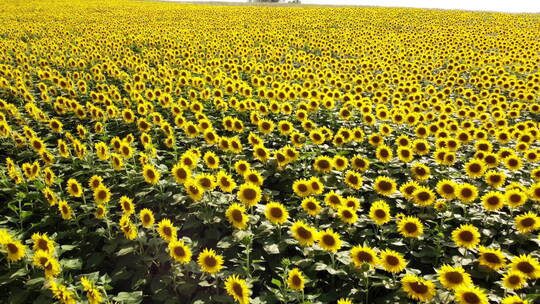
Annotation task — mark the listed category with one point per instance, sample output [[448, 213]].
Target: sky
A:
[[511, 6]]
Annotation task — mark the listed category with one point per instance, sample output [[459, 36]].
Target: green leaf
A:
[[129, 297]]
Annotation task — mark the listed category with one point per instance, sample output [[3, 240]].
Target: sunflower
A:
[[348, 215], [418, 288], [527, 265], [392, 261], [494, 178], [117, 161], [147, 218], [405, 154], [421, 172], [493, 200], [74, 188], [209, 261], [513, 163], [513, 300], [304, 234], [65, 210], [492, 258], [410, 227], [329, 240], [466, 193], [102, 194], [101, 211], [363, 254], [276, 213], [466, 236], [15, 250], [475, 168], [344, 301], [254, 177], [211, 160], [359, 163], [151, 175], [166, 230], [95, 181], [181, 173], [407, 189], [515, 198], [353, 180], [380, 212], [315, 185], [333, 200], [514, 280], [42, 243], [470, 295], [249, 194], [241, 167], [189, 160], [295, 279], [423, 196], [384, 185], [351, 202], [534, 192], [323, 164], [261, 153], [127, 206], [179, 251], [447, 188], [311, 206], [49, 264], [454, 277], [236, 214], [301, 187], [127, 227], [384, 153], [527, 222], [225, 182], [237, 288]]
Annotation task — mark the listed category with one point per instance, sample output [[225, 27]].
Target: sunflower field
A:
[[157, 152]]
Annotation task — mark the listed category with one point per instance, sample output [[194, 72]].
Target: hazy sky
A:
[[530, 6]]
